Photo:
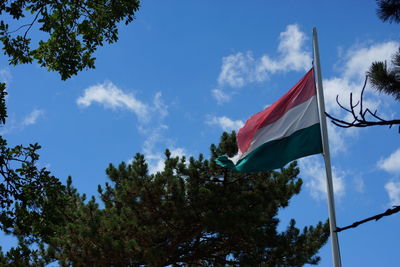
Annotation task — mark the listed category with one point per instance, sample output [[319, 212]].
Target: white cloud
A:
[[359, 184], [337, 86], [391, 164], [178, 152], [336, 139], [221, 96], [292, 55], [156, 164], [237, 70], [9, 127], [360, 59], [393, 190], [159, 105], [5, 75], [241, 68], [155, 144], [355, 64], [351, 79], [151, 118], [110, 96], [152, 155], [156, 161], [225, 123], [32, 117], [14, 125], [314, 175], [153, 135]]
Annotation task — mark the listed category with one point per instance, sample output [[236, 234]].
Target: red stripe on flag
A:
[[301, 92]]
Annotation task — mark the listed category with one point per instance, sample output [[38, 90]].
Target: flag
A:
[[287, 130]]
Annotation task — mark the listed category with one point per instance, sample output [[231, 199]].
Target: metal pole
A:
[[325, 145]]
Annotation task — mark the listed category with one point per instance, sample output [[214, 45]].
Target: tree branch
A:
[[29, 25], [360, 120], [388, 212], [33, 22]]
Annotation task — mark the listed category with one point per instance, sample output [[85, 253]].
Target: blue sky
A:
[[184, 71]]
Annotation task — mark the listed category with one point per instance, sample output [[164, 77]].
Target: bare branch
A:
[[340, 105], [388, 212], [29, 25], [19, 28], [361, 98], [33, 22], [360, 120]]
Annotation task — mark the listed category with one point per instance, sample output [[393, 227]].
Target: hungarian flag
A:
[[287, 130]]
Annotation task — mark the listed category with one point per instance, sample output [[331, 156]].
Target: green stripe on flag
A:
[[278, 153]]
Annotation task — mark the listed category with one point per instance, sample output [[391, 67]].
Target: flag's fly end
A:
[[287, 130], [224, 161]]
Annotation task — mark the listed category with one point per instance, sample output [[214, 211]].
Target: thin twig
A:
[[361, 97], [33, 22], [19, 28], [359, 118], [29, 25]]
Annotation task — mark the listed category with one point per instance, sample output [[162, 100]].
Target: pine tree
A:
[[382, 78], [193, 213], [389, 10]]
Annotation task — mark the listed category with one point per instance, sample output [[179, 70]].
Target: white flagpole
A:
[[326, 155]]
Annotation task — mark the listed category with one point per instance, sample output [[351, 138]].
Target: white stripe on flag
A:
[[297, 118]]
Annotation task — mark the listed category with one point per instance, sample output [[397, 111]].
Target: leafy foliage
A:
[[3, 108], [192, 213], [74, 28], [30, 198]]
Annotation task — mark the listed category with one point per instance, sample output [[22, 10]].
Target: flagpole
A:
[[326, 155]]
